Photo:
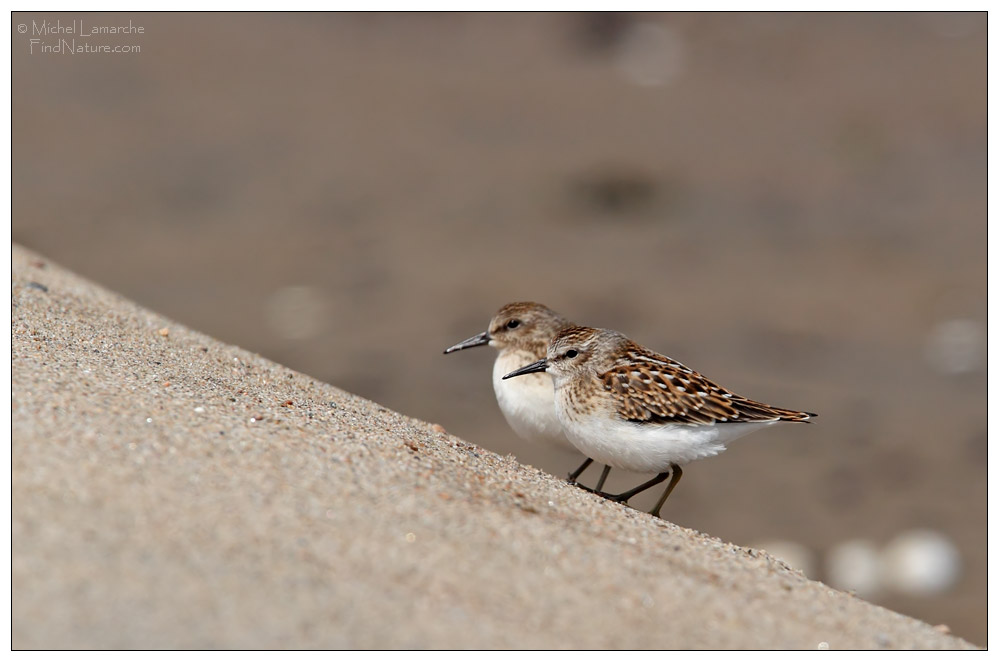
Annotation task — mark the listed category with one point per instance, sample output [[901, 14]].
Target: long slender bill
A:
[[481, 339], [537, 366]]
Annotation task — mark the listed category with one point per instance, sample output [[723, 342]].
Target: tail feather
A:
[[751, 410]]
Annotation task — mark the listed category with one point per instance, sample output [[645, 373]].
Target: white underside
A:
[[528, 401], [651, 448]]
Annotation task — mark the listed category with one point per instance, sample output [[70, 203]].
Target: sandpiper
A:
[[521, 332], [626, 406]]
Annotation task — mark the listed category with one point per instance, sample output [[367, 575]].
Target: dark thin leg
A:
[[676, 472], [575, 474], [624, 496], [603, 477]]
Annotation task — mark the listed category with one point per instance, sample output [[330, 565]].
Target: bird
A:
[[521, 331], [631, 408]]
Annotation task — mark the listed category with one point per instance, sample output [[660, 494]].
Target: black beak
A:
[[481, 339], [537, 366]]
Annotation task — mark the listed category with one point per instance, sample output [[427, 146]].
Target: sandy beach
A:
[[172, 491]]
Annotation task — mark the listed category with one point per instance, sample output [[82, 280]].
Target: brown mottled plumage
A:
[[629, 407], [649, 387], [652, 387]]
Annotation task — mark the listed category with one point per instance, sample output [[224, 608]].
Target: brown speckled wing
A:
[[649, 387]]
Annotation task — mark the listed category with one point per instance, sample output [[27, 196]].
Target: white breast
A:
[[645, 447], [528, 401]]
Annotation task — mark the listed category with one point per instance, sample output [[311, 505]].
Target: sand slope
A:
[[173, 491]]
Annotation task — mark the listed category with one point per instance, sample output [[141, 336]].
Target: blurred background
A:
[[792, 204]]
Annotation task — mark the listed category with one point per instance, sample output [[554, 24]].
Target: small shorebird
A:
[[521, 332], [626, 406]]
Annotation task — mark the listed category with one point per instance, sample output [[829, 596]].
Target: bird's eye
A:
[[571, 354], [513, 324]]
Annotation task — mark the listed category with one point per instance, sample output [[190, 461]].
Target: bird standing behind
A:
[[521, 332]]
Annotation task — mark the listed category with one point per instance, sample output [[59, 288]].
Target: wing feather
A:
[[649, 387]]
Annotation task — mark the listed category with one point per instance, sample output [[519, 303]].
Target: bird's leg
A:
[[676, 472], [575, 474], [624, 496], [603, 477]]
